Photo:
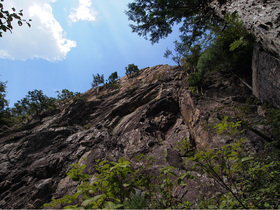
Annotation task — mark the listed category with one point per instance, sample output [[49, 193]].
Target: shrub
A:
[[230, 50], [5, 114], [33, 104], [195, 79], [97, 80], [120, 185], [65, 96], [190, 59], [249, 180], [111, 83], [131, 71], [113, 77]]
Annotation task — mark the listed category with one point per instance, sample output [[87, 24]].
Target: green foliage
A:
[[7, 17], [131, 71], [186, 148], [66, 94], [180, 49], [155, 18], [119, 185], [232, 47], [113, 185], [113, 77], [5, 114], [249, 180], [190, 59], [195, 79], [33, 104], [136, 201], [3, 102], [226, 47], [228, 128], [76, 173], [111, 83], [209, 60], [97, 80]]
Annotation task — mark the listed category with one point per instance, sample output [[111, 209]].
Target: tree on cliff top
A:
[[7, 17], [4, 109], [154, 18]]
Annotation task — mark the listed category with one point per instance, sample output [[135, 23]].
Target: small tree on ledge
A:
[[97, 80], [131, 71]]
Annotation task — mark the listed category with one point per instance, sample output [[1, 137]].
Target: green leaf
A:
[[266, 205], [72, 207], [87, 202], [126, 185], [216, 169], [212, 207], [246, 159], [111, 205], [93, 200]]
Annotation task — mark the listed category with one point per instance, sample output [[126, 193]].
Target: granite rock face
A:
[[146, 115], [262, 19]]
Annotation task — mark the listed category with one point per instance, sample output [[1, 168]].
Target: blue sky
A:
[[69, 40]]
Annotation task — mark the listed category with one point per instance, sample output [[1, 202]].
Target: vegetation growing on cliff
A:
[[247, 179], [97, 80], [207, 43], [227, 47], [131, 70], [31, 106], [4, 110], [119, 185]]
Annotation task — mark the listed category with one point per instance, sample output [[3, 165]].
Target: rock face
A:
[[147, 114], [266, 76], [262, 19]]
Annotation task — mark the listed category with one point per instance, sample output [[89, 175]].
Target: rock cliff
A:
[[147, 114], [262, 19]]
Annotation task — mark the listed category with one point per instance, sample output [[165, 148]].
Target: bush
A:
[[113, 77], [195, 79], [190, 59], [97, 80], [120, 185], [230, 50], [249, 180], [5, 114], [65, 96], [33, 104], [131, 71]]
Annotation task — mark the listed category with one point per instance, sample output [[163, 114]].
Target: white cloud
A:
[[45, 39], [85, 11]]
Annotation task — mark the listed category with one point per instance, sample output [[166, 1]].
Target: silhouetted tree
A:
[[33, 104], [7, 17], [113, 77], [131, 70], [5, 114], [154, 18], [97, 80]]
